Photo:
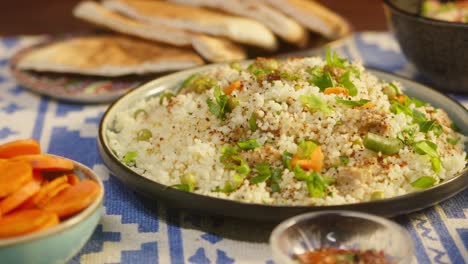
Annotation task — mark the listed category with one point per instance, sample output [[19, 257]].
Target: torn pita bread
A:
[[217, 50], [108, 55], [211, 48], [281, 25], [238, 29], [96, 14], [314, 16]]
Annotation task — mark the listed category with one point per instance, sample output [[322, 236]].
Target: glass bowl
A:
[[343, 230]]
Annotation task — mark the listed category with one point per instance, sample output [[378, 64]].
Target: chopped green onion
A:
[[453, 141], [243, 167], [219, 107], [345, 80], [227, 153], [139, 112], [253, 122], [144, 135], [333, 60], [436, 164], [316, 185], [248, 144], [322, 81], [305, 149], [300, 174], [286, 159], [130, 157], [235, 66], [187, 82], [377, 143], [426, 147], [264, 173], [423, 182], [397, 108], [415, 101], [275, 180], [351, 103], [166, 95], [454, 127], [314, 103]]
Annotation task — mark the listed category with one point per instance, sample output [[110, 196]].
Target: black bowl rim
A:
[[423, 19], [107, 155]]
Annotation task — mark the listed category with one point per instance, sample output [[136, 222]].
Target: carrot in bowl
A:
[[22, 222], [73, 199], [19, 196], [13, 175], [19, 147], [46, 162]]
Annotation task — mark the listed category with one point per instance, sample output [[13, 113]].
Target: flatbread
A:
[[212, 49], [283, 26], [108, 55], [217, 49], [238, 29], [96, 14], [314, 16]]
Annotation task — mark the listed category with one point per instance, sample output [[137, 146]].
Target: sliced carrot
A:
[[45, 189], [52, 193], [336, 90], [13, 175], [19, 147], [236, 85], [401, 98], [38, 177], [315, 162], [73, 179], [47, 162], [73, 199], [22, 222], [52, 221], [19, 196]]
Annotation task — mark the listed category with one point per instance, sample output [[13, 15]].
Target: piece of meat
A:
[[374, 120]]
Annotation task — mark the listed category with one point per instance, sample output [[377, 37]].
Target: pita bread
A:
[[96, 14], [314, 16], [108, 55], [217, 49], [283, 26], [238, 29], [210, 48]]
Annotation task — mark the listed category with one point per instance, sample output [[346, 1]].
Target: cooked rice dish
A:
[[303, 131]]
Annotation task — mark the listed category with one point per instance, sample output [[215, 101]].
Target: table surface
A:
[[136, 230], [55, 16]]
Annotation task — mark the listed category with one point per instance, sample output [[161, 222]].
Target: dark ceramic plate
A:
[[261, 212]]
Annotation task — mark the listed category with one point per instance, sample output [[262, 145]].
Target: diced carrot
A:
[[401, 98], [19, 196], [47, 162], [13, 175], [22, 222], [236, 85], [52, 221], [73, 199], [368, 105], [47, 188], [315, 162], [52, 193], [336, 90], [19, 147], [73, 179]]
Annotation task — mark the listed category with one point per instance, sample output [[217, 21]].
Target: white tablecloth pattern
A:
[[136, 230]]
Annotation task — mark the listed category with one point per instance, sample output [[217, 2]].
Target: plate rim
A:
[[109, 157]]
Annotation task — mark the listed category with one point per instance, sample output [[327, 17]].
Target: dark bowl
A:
[[438, 49]]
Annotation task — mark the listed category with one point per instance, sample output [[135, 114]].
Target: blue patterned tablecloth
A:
[[136, 230]]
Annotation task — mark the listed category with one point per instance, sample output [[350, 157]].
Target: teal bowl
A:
[[61, 242]]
